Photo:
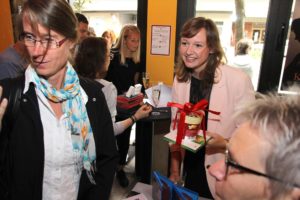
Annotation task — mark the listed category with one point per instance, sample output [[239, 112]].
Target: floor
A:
[[119, 192]]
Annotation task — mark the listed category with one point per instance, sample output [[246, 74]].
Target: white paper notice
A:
[[165, 96], [160, 40]]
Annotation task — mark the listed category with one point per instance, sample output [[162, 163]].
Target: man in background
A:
[[82, 27], [13, 61], [262, 158]]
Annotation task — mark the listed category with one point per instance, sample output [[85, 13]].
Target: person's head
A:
[[82, 27], [110, 36], [129, 43], [243, 46], [200, 51], [92, 58], [49, 32], [268, 143], [91, 32], [296, 28]]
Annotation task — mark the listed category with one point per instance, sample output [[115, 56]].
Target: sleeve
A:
[[244, 93], [4, 72], [111, 98], [106, 151]]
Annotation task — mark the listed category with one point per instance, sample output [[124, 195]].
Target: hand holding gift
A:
[[191, 121]]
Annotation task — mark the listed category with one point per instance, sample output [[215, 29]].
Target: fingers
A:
[[3, 106]]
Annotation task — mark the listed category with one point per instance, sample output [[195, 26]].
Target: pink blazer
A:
[[232, 88]]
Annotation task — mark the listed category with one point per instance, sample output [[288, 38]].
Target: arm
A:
[[141, 113]]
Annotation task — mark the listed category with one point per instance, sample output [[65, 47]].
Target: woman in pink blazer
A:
[[201, 73]]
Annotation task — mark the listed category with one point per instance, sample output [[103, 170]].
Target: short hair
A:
[[56, 15], [277, 121], [296, 26], [81, 18], [91, 57], [243, 46], [125, 32]]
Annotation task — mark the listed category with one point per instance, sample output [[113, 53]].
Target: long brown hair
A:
[[215, 58]]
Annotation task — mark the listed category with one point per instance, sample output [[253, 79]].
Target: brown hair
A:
[[56, 15], [215, 58], [92, 57]]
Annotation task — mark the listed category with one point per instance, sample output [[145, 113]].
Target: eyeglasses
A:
[[47, 43], [230, 162]]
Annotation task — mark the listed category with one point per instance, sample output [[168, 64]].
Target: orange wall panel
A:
[[161, 67], [6, 35]]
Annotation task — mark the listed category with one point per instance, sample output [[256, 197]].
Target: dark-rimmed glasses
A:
[[47, 43], [230, 162]]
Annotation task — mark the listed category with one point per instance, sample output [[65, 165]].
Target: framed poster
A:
[[160, 40]]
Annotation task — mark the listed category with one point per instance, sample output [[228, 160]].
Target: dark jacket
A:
[[22, 164], [121, 75]]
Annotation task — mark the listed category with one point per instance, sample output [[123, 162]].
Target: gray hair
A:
[[277, 119]]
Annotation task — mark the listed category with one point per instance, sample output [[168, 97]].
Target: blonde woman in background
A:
[[110, 36], [123, 72]]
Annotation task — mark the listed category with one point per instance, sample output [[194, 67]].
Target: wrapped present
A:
[[124, 102], [191, 119]]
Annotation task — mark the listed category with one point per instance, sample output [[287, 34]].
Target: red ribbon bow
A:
[[186, 109]]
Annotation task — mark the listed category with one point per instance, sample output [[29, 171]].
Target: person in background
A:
[[242, 59], [262, 158], [82, 26], [202, 74], [110, 36], [123, 72], [291, 73], [91, 32], [59, 143], [92, 62], [13, 61]]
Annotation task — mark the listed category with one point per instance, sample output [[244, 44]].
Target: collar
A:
[[29, 79]]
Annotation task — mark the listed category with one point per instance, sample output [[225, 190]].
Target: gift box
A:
[[165, 189], [189, 125], [124, 102]]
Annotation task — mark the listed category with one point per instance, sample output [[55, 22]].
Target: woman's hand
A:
[[143, 112], [3, 106], [215, 145]]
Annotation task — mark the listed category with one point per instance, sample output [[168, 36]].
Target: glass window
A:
[[223, 13], [290, 71], [108, 14]]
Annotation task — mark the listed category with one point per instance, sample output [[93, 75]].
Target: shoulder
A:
[[89, 85], [107, 85], [226, 71], [114, 54]]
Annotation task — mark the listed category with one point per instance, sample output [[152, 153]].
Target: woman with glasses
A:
[[61, 144], [262, 158], [202, 74]]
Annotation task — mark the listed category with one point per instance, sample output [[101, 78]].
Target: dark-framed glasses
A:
[[47, 43], [231, 163]]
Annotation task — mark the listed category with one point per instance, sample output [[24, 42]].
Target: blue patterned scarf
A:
[[78, 121]]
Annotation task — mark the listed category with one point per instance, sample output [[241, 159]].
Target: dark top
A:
[[194, 162], [22, 148], [291, 73], [121, 75]]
